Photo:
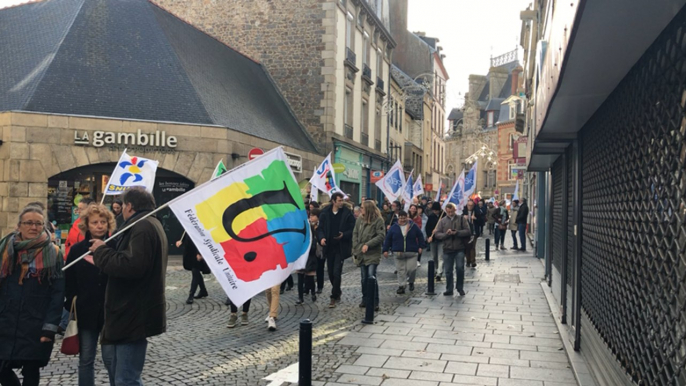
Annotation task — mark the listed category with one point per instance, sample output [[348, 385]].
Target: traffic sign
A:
[[254, 153]]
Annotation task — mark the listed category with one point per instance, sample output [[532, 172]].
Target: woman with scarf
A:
[[31, 298], [85, 283]]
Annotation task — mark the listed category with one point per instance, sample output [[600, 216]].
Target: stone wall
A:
[[286, 36], [38, 146]]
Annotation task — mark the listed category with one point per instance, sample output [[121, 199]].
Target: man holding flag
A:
[[135, 304]]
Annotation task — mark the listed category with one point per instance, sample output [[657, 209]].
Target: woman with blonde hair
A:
[[368, 237], [85, 286]]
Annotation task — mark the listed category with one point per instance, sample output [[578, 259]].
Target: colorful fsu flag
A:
[[250, 225], [392, 183], [324, 177], [456, 195], [131, 172]]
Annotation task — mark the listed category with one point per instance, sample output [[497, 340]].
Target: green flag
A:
[[219, 170]]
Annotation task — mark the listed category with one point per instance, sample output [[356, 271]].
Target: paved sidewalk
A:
[[501, 333]]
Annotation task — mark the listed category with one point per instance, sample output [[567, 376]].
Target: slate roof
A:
[[494, 104], [414, 103], [131, 59], [455, 114], [504, 113]]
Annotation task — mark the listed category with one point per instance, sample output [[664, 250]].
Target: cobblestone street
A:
[[198, 349]]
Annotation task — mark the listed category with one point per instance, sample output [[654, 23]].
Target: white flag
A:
[[131, 172], [515, 195], [407, 191], [456, 195], [438, 194], [418, 188], [470, 182], [324, 177], [392, 183], [314, 192]]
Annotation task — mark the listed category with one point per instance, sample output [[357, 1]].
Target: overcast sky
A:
[[470, 31]]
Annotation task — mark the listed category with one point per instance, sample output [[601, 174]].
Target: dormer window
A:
[[490, 119]]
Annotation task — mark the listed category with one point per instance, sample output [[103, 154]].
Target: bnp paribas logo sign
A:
[[139, 141]]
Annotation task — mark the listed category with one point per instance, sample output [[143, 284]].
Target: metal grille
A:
[[570, 216], [634, 211], [557, 206]]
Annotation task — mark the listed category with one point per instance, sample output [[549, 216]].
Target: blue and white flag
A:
[[515, 195], [470, 182], [407, 191], [456, 195], [392, 183], [418, 188], [131, 172], [438, 194]]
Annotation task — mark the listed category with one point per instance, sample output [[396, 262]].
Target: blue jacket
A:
[[395, 242]]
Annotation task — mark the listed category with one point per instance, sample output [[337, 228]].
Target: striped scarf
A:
[[35, 257]]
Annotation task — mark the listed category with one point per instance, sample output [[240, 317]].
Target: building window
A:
[[490, 119], [379, 63], [392, 110], [364, 125], [360, 19], [402, 118], [350, 32], [490, 178], [365, 49], [379, 9], [348, 113], [377, 130], [513, 138]]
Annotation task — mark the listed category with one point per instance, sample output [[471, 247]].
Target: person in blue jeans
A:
[[368, 237], [522, 215], [135, 304], [85, 288], [454, 231]]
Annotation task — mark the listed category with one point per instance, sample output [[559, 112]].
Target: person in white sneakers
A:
[[273, 303]]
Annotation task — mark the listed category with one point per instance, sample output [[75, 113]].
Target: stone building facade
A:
[[331, 61]]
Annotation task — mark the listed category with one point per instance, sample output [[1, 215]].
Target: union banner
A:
[[249, 224]]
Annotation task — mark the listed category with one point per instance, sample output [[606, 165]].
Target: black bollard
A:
[[488, 249], [369, 306], [305, 364], [432, 273]]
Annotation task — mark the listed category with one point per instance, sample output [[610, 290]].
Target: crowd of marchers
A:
[[118, 290]]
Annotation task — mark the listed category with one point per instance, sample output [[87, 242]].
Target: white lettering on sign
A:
[[102, 138], [353, 174], [295, 162]]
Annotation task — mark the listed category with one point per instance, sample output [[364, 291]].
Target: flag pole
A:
[[166, 205], [108, 180]]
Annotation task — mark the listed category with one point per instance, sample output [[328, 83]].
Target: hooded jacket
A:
[[411, 242], [455, 242]]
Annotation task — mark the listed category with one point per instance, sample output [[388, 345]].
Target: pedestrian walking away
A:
[[368, 237], [273, 304], [335, 234], [521, 219], [501, 221], [306, 276], [490, 217], [513, 223], [31, 298], [135, 303], [193, 261], [436, 244], [404, 240], [453, 230], [470, 213], [85, 285]]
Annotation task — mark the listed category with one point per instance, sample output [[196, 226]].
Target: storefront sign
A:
[[375, 176], [295, 162], [353, 174], [338, 168], [428, 187], [134, 141]]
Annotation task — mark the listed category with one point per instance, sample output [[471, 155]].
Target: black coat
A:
[[346, 226], [481, 213], [431, 224], [315, 254], [24, 311], [135, 304], [88, 284], [522, 214], [190, 257]]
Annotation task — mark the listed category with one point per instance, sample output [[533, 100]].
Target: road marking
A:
[[289, 374]]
